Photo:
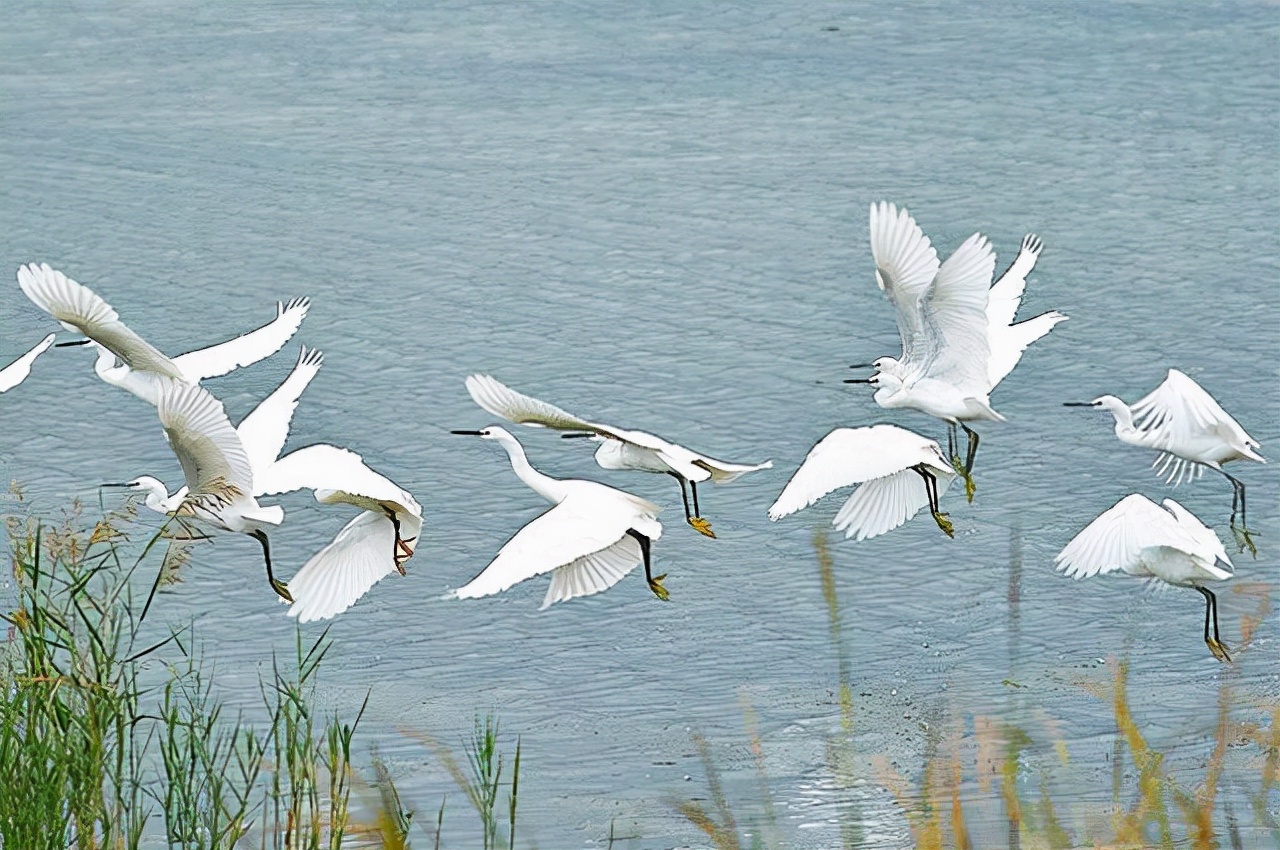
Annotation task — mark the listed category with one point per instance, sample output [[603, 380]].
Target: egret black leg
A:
[[684, 494], [973, 448], [401, 551], [931, 490], [1237, 501], [694, 519], [655, 583], [1215, 644], [693, 485], [278, 586]]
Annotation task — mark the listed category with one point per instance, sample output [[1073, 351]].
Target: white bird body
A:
[[17, 371], [939, 399], [130, 362], [619, 449], [1140, 538], [889, 462], [590, 539]]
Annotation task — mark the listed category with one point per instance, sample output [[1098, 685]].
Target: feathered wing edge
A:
[[337, 576], [594, 573], [884, 504], [17, 371]]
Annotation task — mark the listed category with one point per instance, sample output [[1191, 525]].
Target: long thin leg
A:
[[1237, 499], [684, 494], [973, 447], [278, 586], [655, 584], [931, 489], [1215, 644], [694, 519], [697, 511], [401, 551]]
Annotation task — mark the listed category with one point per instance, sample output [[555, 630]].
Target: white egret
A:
[[900, 473], [1191, 432], [1140, 538], [592, 537], [126, 359], [216, 467], [619, 448], [942, 320], [17, 371], [378, 541]]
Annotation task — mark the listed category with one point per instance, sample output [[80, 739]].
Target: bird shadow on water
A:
[[984, 781]]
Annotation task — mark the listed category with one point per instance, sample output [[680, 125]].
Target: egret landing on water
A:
[[900, 473], [17, 371], [592, 537], [377, 542], [1143, 539], [942, 320], [619, 448], [1191, 431], [126, 359]]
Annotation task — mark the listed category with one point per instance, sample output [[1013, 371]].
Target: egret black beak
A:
[[469, 433], [121, 484], [1077, 404], [857, 380], [577, 435], [862, 365], [74, 342]]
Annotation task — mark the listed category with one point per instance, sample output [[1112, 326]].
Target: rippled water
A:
[[655, 214]]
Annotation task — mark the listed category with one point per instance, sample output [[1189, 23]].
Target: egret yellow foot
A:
[[701, 526], [655, 584], [281, 589], [1244, 541], [944, 523], [958, 465], [969, 486], [1218, 649]]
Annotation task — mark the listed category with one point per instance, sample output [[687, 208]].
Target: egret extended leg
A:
[[401, 551], [655, 582], [278, 586], [931, 489], [1237, 500], [694, 519], [1216, 646], [969, 486]]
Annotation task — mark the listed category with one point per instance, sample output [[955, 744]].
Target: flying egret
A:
[[216, 467], [1143, 539], [1191, 431], [619, 448], [376, 542], [1007, 339], [592, 537], [900, 473], [126, 359], [942, 320], [17, 371]]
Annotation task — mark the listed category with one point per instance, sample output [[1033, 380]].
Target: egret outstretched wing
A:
[[324, 467], [883, 504], [342, 572], [265, 430], [500, 400], [1115, 540], [576, 528], [17, 371], [851, 456], [593, 573], [955, 317], [78, 308], [1006, 293], [212, 457], [1179, 410], [906, 264], [248, 347]]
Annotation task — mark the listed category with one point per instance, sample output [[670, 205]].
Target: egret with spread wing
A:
[[126, 359], [375, 543], [1141, 538], [17, 371], [900, 473], [590, 539], [942, 320], [1191, 431], [619, 448]]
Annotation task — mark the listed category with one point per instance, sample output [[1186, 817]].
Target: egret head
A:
[[1103, 401], [492, 432]]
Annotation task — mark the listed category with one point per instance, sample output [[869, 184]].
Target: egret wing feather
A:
[[501, 400], [593, 573], [200, 434], [883, 504], [17, 371], [906, 264], [955, 317], [1116, 538], [265, 430], [1008, 343], [344, 570], [1179, 410], [78, 308], [248, 347], [1006, 293], [325, 467]]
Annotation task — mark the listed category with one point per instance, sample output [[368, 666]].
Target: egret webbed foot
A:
[[655, 584], [701, 526]]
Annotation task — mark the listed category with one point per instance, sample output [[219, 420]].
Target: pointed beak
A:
[[1077, 404], [70, 344], [861, 365], [469, 433], [574, 435], [857, 380], [113, 484]]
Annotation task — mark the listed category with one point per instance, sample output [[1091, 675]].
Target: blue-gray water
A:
[[654, 214]]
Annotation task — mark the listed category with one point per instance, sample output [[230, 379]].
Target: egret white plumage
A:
[[376, 542], [942, 320], [619, 448], [1143, 539], [17, 371], [589, 540], [1190, 431], [126, 359], [899, 470]]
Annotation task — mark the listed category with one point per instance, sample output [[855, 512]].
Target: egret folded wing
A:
[[1115, 540], [248, 347]]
